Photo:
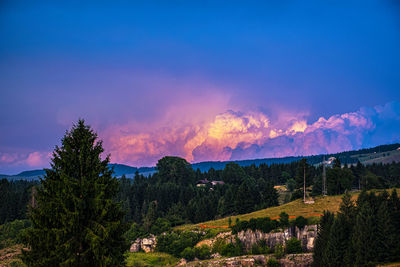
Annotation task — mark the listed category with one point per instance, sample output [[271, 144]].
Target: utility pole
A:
[[304, 184], [324, 191]]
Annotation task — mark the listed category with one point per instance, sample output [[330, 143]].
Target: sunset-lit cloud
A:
[[35, 159], [234, 135], [241, 135]]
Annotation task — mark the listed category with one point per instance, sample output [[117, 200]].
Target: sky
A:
[[203, 80]]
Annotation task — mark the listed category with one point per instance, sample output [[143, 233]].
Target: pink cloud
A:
[[242, 135], [35, 159], [38, 159]]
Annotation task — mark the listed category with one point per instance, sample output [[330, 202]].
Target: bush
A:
[[293, 246], [174, 243], [232, 249], [284, 219], [161, 225], [273, 263], [218, 245], [300, 222], [252, 224], [260, 248], [188, 253], [202, 252], [265, 225], [10, 233], [135, 231], [279, 251]]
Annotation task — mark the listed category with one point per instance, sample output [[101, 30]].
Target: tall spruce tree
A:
[[321, 242], [338, 242], [348, 212], [76, 221], [386, 234], [365, 235], [394, 209]]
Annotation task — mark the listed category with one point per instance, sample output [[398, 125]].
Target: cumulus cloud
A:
[[234, 135], [242, 135]]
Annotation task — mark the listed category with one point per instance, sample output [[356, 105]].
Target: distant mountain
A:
[[121, 169], [219, 165], [379, 154], [31, 173]]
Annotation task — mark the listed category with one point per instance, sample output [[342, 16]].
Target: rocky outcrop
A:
[[291, 260], [297, 260], [306, 235], [145, 244]]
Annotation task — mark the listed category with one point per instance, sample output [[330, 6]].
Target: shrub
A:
[[10, 233], [229, 250], [260, 248], [202, 252], [174, 243], [218, 245], [252, 224], [293, 246], [161, 225], [135, 231], [279, 251], [284, 219], [300, 222], [232, 249], [273, 263], [265, 225], [188, 253]]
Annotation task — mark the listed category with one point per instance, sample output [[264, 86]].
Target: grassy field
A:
[[381, 157], [294, 208], [141, 259]]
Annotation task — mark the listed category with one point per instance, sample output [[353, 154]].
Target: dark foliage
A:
[[75, 221], [359, 236], [293, 246], [14, 198]]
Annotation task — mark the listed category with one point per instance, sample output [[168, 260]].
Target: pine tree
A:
[[322, 239], [338, 242], [245, 195], [394, 208], [76, 222], [365, 237], [348, 212], [385, 234]]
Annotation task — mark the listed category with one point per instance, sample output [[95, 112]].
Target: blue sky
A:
[[133, 68]]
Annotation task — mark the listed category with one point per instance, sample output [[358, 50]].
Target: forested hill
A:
[[379, 154]]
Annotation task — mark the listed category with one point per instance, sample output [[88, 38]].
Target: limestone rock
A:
[[306, 235], [297, 260], [182, 262], [135, 247], [146, 244]]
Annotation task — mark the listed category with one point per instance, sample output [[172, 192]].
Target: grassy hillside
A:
[[294, 208], [150, 259], [380, 157]]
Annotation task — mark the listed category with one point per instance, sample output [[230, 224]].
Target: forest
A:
[[363, 233], [170, 197], [80, 214]]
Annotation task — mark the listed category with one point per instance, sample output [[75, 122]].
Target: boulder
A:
[[135, 247]]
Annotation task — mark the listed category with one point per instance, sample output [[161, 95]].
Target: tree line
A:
[[172, 194], [363, 233]]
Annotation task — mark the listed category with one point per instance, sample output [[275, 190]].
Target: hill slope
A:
[[294, 208]]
